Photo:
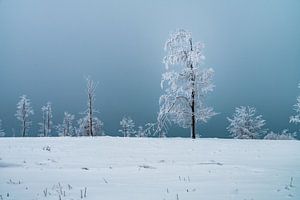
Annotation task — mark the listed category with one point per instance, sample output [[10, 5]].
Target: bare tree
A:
[[24, 110]]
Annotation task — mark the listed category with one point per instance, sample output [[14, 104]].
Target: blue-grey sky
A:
[[48, 46]]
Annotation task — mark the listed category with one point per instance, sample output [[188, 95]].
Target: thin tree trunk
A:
[[91, 116], [24, 120], [23, 131], [193, 127], [44, 125], [48, 121], [68, 129], [193, 124]]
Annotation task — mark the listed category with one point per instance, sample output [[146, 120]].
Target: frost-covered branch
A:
[[148, 130]]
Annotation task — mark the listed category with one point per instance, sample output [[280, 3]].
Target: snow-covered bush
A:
[[245, 124], [185, 84], [24, 110], [127, 125], [296, 118], [66, 128], [2, 133], [284, 135]]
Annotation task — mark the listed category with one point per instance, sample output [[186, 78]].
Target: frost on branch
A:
[[245, 124], [46, 124], [24, 110], [185, 84], [2, 133], [127, 127], [66, 128], [296, 118]]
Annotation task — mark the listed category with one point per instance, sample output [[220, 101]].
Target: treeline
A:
[[186, 82]]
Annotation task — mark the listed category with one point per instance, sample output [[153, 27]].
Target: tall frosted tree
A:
[[24, 111], [296, 118], [46, 124], [90, 125], [245, 124], [2, 133], [185, 83], [127, 127], [66, 128]]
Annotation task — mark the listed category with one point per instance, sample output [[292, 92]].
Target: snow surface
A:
[[148, 169]]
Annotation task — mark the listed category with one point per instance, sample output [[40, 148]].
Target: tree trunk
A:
[[91, 116], [24, 129], [48, 122], [44, 124], [24, 120], [193, 124]]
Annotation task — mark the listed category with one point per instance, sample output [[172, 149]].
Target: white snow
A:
[[148, 169]]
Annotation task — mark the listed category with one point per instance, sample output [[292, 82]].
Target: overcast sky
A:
[[47, 47]]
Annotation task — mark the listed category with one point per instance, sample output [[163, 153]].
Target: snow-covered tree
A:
[[127, 125], [66, 128], [24, 110], [284, 135], [84, 126], [90, 125], [186, 84], [296, 118], [46, 124], [140, 131], [245, 124], [2, 133]]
